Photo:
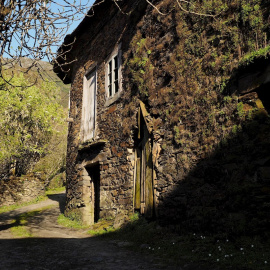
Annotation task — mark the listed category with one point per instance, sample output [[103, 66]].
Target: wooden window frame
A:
[[113, 74], [92, 70]]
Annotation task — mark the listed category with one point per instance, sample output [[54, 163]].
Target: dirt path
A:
[[55, 247]]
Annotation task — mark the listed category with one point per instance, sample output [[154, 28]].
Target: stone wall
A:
[[211, 163], [111, 150], [21, 189]]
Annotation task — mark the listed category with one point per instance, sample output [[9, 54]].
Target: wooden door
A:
[[144, 190], [89, 107]]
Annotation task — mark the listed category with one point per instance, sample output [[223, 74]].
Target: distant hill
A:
[[41, 70]]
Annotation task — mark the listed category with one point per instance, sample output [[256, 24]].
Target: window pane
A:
[[116, 86], [113, 76], [110, 90], [116, 74], [110, 66], [110, 78], [116, 62]]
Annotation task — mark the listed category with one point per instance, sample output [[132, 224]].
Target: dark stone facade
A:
[[201, 180], [109, 155]]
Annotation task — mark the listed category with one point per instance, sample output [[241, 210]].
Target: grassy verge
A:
[[15, 206], [69, 223], [55, 190], [103, 226], [215, 252]]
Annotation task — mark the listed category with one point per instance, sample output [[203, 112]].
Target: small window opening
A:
[[113, 74]]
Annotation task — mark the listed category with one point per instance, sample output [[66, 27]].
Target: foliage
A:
[[30, 116], [102, 227], [250, 57], [192, 59], [57, 183], [53, 163], [70, 223], [140, 65]]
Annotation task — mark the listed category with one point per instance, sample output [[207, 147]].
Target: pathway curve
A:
[[55, 247]]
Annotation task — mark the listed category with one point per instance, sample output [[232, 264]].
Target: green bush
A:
[[30, 115]]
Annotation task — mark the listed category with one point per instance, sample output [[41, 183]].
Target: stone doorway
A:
[[94, 174]]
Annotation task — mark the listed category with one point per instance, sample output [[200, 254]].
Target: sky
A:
[[16, 42], [76, 23]]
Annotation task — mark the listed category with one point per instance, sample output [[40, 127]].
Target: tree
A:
[[35, 28], [29, 118]]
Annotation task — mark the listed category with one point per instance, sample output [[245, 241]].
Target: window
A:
[[113, 74], [89, 106]]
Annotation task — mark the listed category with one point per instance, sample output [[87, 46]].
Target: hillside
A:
[[33, 131], [42, 71]]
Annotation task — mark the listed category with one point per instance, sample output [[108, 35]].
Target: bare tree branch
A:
[[35, 28], [155, 7], [191, 12]]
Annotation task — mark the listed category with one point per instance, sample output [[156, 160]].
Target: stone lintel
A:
[[91, 144]]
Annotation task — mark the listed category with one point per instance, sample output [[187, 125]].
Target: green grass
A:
[[4, 209], [69, 223], [102, 227], [211, 251], [55, 190], [20, 229]]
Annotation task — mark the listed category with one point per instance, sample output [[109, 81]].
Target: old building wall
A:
[[210, 146], [211, 170], [110, 153]]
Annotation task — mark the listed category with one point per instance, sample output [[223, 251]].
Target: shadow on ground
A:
[[86, 253], [60, 198], [14, 218]]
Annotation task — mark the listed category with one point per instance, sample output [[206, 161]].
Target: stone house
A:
[[149, 130], [105, 167]]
